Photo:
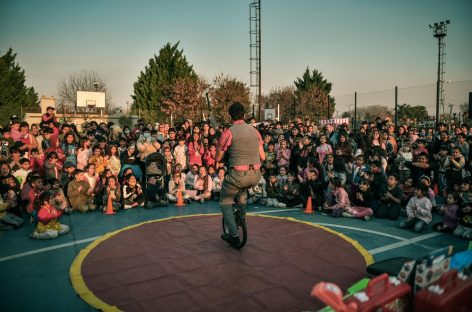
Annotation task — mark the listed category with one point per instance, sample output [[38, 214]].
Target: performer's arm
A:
[[223, 144]]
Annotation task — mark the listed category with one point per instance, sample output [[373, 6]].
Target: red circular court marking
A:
[[183, 265]]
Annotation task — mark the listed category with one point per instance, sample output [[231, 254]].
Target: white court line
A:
[[276, 210], [362, 230], [40, 250], [402, 243], [338, 226]]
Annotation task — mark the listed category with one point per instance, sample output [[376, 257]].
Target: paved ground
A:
[[35, 274]]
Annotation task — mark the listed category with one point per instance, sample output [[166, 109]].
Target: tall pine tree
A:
[[15, 96], [157, 78], [312, 95]]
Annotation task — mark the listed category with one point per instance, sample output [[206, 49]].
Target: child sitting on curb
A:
[[202, 186], [390, 200], [338, 201], [176, 185], [361, 203], [112, 191], [464, 229], [8, 221], [272, 191], [48, 226], [58, 200], [217, 183], [132, 193], [418, 210], [80, 193], [450, 210], [257, 193]]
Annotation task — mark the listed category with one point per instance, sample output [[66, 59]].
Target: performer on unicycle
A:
[[244, 146]]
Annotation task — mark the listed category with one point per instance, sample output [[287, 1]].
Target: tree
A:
[[312, 95], [284, 99], [224, 92], [185, 98], [418, 112], [86, 80], [15, 96], [158, 77], [370, 113]]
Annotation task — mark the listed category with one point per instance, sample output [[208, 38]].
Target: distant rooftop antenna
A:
[[440, 32], [255, 53]]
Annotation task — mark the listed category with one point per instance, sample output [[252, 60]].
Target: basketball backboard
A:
[[90, 99]]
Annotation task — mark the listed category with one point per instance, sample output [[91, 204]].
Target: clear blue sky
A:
[[362, 45]]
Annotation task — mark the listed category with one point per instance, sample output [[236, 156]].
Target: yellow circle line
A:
[[80, 287]]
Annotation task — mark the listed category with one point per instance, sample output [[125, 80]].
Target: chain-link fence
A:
[[369, 105]]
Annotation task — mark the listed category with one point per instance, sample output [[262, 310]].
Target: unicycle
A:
[[240, 223]]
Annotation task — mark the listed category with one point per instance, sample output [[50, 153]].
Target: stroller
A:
[[154, 180]]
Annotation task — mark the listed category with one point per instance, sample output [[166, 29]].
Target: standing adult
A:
[[244, 146]]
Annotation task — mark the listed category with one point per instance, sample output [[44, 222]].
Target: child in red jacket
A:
[[48, 224]]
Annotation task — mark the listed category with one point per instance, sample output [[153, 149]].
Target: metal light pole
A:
[[440, 32]]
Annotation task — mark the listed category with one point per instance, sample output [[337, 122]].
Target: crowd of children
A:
[[376, 171]]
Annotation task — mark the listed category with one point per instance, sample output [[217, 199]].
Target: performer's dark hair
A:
[[236, 111]]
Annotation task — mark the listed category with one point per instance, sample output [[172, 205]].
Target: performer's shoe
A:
[[233, 241]]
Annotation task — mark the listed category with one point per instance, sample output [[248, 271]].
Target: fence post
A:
[[396, 106], [328, 107], [355, 111]]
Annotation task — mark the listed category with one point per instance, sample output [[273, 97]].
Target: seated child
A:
[[80, 193], [464, 228], [358, 168], [217, 183], [290, 192], [338, 199], [98, 160], [362, 202], [112, 191], [418, 210], [21, 173], [282, 177], [92, 177], [100, 187], [212, 172], [272, 191], [390, 199], [8, 221], [132, 193], [35, 189], [178, 167], [154, 192], [270, 158], [257, 193], [37, 161], [58, 200], [48, 226], [202, 187], [408, 190], [431, 195], [313, 187], [465, 193], [67, 175], [177, 184], [52, 170], [190, 177], [450, 211]]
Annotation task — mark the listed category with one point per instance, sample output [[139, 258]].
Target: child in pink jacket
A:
[[339, 200]]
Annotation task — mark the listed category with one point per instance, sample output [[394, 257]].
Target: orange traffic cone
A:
[[180, 199], [109, 210], [309, 206]]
